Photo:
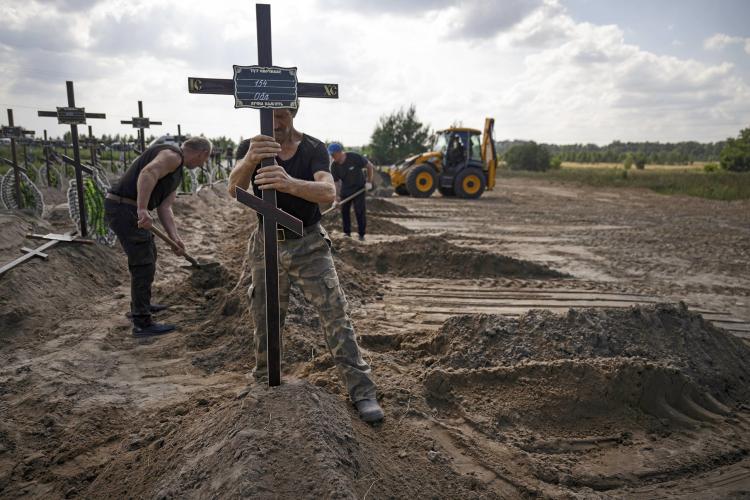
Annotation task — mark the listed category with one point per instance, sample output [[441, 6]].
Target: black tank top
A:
[[127, 186]]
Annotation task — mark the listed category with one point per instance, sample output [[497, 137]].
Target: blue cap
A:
[[335, 147]]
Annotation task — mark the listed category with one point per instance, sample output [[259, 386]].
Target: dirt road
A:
[[619, 397]]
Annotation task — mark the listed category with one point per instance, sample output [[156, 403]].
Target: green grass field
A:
[[664, 179]]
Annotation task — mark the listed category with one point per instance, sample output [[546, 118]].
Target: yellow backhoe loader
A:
[[462, 163]]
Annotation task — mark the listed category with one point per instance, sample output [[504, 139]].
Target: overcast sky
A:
[[559, 71]]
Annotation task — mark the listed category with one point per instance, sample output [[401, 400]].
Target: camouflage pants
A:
[[307, 262]]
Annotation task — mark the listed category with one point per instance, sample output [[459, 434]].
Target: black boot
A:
[[152, 329], [369, 410]]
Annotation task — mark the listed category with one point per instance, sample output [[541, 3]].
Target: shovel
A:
[[193, 263], [336, 205]]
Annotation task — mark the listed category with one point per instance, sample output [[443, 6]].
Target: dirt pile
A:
[[375, 224], [434, 257], [241, 449], [580, 392], [666, 334], [379, 212], [35, 294], [294, 441], [383, 207]]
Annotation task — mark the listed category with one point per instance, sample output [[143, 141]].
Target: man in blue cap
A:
[[352, 173]]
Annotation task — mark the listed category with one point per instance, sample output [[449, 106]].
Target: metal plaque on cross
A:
[[71, 116], [139, 122], [266, 87], [262, 87], [7, 132]]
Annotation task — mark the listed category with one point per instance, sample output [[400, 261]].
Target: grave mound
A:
[[434, 257]]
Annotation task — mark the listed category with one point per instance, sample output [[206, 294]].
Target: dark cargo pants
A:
[[140, 248], [360, 212]]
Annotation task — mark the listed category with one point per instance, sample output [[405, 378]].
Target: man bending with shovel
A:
[[150, 183]]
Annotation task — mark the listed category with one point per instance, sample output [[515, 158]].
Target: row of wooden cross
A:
[[73, 116], [264, 87]]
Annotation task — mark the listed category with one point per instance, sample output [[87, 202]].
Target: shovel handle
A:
[[158, 232], [336, 205]]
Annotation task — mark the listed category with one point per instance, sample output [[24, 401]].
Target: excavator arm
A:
[[489, 157]]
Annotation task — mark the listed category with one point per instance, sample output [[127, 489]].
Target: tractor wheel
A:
[[401, 190], [421, 181], [469, 183], [446, 191]]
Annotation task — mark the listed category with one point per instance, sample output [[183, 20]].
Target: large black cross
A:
[[73, 116], [14, 133], [141, 123], [266, 87]]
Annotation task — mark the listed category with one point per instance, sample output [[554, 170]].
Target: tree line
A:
[[661, 153], [400, 134]]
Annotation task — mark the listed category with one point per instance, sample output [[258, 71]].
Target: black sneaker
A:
[[153, 330], [153, 308], [369, 410], [361, 237]]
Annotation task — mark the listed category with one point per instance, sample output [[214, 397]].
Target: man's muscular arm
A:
[[165, 163], [261, 146], [166, 216], [321, 190]]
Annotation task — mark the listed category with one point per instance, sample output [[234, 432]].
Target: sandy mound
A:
[[433, 257], [379, 211], [375, 224], [381, 206], [611, 396], [31, 291], [667, 335], [617, 370], [239, 449]]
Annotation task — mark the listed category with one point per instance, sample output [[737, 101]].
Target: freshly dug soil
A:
[[375, 224], [295, 441], [665, 334], [598, 403], [37, 292], [433, 257], [381, 206]]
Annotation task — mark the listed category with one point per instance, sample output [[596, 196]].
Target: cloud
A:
[[385, 6], [73, 5], [46, 30], [529, 63], [470, 19], [585, 77], [487, 18], [721, 40]]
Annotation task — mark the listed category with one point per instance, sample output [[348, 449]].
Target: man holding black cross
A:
[[302, 180], [352, 173], [149, 183]]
